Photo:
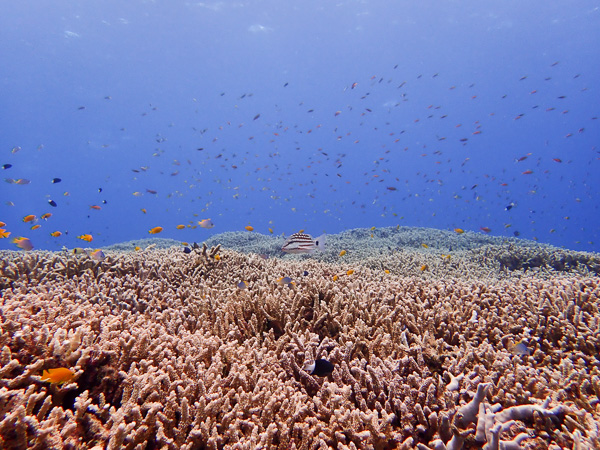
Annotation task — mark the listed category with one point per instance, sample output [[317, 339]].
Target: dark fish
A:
[[56, 180], [256, 117], [303, 243], [305, 273], [517, 234], [320, 368], [187, 250], [509, 207], [6, 166], [52, 203]]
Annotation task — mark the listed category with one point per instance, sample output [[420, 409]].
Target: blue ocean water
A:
[[309, 115]]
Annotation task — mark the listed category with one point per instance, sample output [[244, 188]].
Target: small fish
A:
[[509, 206], [350, 272], [343, 252], [155, 230], [95, 207], [29, 218], [335, 278], [35, 227], [320, 368], [59, 375], [52, 203], [249, 228], [78, 251], [303, 243], [187, 250], [206, 223], [143, 210], [271, 230], [22, 181], [46, 216], [217, 257], [424, 245], [283, 281], [15, 149], [423, 268], [520, 349], [56, 234], [485, 229], [459, 230], [137, 194], [180, 227], [558, 160], [56, 180], [387, 271], [527, 172], [6, 166], [97, 255], [4, 233], [86, 237], [305, 273], [242, 285], [23, 243]]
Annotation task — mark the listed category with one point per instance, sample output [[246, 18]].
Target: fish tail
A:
[[320, 243]]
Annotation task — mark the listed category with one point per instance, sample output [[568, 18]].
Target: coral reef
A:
[[168, 352]]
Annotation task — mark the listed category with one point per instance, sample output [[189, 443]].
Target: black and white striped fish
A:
[[303, 243]]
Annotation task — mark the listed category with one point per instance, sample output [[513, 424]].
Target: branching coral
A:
[[168, 351]]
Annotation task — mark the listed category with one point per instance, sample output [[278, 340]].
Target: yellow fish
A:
[[343, 252], [180, 227], [459, 230], [423, 268], [249, 227], [35, 227], [386, 271], [424, 245], [155, 230], [59, 375], [4, 233], [86, 237], [350, 272]]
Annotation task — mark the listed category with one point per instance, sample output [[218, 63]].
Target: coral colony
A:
[[220, 348]]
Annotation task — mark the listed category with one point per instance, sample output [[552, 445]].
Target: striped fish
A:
[[303, 243]]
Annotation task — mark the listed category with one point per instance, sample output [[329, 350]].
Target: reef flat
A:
[[171, 350]]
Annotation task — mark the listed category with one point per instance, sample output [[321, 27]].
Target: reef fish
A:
[[303, 243], [320, 368], [23, 243], [59, 375]]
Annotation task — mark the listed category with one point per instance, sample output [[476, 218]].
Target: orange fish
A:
[[96, 207], [29, 218], [459, 230], [527, 172], [350, 272], [485, 229], [180, 227], [86, 237], [423, 268], [558, 160], [46, 216], [249, 227], [155, 230], [56, 234], [59, 375], [2, 224], [35, 227], [4, 233]]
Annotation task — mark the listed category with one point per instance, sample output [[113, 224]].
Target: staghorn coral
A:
[[169, 353]]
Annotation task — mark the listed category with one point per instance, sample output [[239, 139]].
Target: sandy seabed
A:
[[169, 352]]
